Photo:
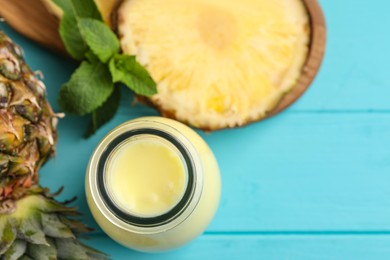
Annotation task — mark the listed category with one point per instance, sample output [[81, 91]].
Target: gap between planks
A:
[[285, 233], [148, 110]]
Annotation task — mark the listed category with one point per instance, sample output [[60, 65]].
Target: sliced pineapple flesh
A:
[[217, 63]]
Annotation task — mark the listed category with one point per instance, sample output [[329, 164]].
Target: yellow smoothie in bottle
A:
[[146, 177], [153, 184]]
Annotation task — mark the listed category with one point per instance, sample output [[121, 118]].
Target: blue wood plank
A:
[[354, 74], [263, 247], [293, 172]]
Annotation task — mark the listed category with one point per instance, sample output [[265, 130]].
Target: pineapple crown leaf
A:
[[42, 251], [30, 230], [53, 227], [16, 250], [90, 90], [7, 236], [41, 229]]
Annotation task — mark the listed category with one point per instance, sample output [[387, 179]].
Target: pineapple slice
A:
[[217, 63]]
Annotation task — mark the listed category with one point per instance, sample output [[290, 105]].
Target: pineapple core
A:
[[217, 28], [217, 63]]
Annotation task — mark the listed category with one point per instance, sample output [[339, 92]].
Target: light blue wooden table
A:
[[311, 183]]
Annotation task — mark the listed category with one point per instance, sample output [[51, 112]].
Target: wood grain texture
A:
[[314, 58], [31, 18]]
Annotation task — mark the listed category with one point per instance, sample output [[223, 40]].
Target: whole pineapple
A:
[[32, 224]]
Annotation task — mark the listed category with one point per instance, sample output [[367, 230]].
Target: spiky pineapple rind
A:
[[33, 225], [27, 123]]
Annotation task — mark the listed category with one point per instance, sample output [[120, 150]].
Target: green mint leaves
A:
[[127, 70], [104, 113], [93, 88], [74, 10], [99, 38], [88, 88]]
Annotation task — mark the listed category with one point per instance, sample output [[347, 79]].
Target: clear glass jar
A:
[[187, 219]]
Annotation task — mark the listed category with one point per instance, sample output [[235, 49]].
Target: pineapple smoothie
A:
[[153, 184], [147, 177]]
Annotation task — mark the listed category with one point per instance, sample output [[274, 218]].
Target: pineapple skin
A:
[[27, 123], [33, 225], [217, 64]]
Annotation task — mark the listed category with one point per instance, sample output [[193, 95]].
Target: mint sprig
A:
[[127, 70], [71, 36], [99, 38], [93, 88], [104, 113], [88, 88]]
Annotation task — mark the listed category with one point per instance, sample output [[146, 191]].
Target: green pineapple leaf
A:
[[43, 252], [17, 249], [68, 248], [30, 229], [7, 235], [53, 226]]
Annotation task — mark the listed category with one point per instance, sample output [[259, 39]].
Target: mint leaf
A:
[[127, 70], [65, 5], [80, 8], [99, 37], [88, 88], [70, 35], [91, 57], [104, 113], [69, 31]]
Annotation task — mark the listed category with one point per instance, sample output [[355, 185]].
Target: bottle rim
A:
[[132, 218], [138, 224]]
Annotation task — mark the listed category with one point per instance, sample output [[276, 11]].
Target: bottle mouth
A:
[[106, 190]]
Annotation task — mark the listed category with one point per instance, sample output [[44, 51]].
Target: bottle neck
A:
[[131, 218]]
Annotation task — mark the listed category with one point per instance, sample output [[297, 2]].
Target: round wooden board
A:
[[314, 58], [32, 19]]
